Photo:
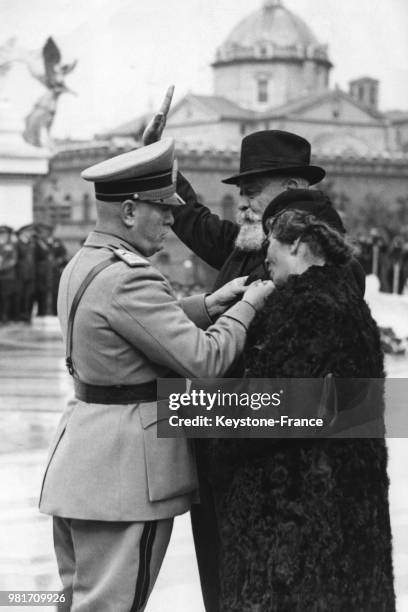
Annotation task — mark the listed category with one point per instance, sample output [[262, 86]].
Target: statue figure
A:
[[52, 75], [7, 55]]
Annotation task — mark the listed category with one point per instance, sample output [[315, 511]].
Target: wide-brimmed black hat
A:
[[310, 200], [274, 152]]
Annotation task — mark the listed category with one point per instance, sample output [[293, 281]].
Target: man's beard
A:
[[251, 235]]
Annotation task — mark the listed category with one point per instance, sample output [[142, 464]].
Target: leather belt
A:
[[116, 394]]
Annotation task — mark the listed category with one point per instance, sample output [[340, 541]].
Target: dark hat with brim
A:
[[319, 205], [6, 229], [310, 200], [276, 153]]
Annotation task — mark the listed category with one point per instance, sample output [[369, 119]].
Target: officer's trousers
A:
[[108, 566]]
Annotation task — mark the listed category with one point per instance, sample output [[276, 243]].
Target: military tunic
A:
[[106, 462], [8, 261], [110, 482]]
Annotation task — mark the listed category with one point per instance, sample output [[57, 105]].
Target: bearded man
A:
[[271, 162]]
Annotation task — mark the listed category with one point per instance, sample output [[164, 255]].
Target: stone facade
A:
[[351, 182], [333, 122], [270, 73], [258, 84]]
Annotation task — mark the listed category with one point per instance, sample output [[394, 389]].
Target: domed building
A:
[[271, 72], [269, 58]]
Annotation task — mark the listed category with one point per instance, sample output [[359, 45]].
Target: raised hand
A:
[[156, 125]]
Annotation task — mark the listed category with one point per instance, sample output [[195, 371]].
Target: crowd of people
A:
[[32, 260], [31, 263], [385, 257]]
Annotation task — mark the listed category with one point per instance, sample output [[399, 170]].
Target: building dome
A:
[[273, 23], [270, 58], [272, 32]]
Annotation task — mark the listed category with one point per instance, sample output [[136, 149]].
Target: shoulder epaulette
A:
[[131, 259]]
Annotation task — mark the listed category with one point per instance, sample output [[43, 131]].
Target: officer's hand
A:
[[155, 128], [257, 292], [225, 296]]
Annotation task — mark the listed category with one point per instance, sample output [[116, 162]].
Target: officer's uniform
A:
[[25, 272], [112, 486], [8, 261], [43, 268]]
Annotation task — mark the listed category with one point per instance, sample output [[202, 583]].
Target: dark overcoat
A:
[[304, 524], [213, 240]]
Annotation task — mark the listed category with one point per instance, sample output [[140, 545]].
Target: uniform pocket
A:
[[170, 462]]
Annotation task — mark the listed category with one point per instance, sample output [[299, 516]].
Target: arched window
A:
[[262, 89], [373, 96]]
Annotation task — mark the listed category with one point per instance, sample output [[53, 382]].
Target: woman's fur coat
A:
[[304, 525]]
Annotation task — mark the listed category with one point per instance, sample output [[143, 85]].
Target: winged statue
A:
[[8, 55], [51, 72]]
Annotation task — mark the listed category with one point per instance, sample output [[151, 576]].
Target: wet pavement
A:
[[33, 389]]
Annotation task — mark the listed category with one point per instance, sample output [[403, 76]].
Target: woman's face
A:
[[280, 260]]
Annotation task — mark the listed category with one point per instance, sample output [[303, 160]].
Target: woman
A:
[[304, 524]]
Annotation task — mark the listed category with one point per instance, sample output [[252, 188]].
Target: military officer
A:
[[25, 272], [111, 485], [43, 266], [8, 261]]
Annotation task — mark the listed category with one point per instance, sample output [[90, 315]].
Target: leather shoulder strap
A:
[[74, 306]]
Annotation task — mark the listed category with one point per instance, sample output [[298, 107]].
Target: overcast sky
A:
[[128, 51]]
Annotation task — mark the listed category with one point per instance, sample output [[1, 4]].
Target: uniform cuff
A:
[[242, 311], [195, 308]]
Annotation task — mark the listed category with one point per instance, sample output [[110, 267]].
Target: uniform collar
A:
[[99, 239]]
